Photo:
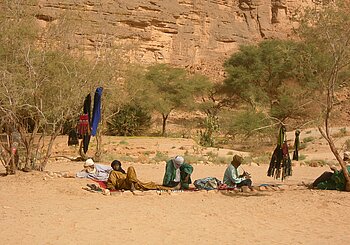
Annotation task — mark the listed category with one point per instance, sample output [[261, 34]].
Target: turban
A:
[[89, 163]]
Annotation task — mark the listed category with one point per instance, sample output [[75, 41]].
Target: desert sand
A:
[[38, 209]]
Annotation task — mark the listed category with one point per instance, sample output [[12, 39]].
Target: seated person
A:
[[94, 171], [117, 166], [177, 173], [119, 180], [333, 180], [232, 178]]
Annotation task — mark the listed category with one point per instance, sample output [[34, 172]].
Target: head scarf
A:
[[178, 161], [89, 163]]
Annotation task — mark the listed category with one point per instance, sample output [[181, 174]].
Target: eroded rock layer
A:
[[197, 34]]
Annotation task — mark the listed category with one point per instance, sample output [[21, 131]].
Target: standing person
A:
[[177, 173], [232, 178], [94, 171]]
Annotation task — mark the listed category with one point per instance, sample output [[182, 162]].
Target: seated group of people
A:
[[177, 175]]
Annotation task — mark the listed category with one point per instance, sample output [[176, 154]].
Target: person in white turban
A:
[[177, 173]]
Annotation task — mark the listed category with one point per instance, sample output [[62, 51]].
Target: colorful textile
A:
[[96, 112], [280, 164], [208, 183], [170, 174], [83, 127], [86, 134]]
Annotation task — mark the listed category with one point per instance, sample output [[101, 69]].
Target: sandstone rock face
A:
[[196, 34]]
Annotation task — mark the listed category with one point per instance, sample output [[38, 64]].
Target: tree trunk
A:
[[82, 154], [337, 156], [165, 118], [49, 147]]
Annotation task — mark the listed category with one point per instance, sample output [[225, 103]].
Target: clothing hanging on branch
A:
[[296, 146], [96, 112], [280, 164], [87, 115]]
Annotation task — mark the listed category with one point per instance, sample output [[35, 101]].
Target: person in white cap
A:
[[177, 173], [94, 171]]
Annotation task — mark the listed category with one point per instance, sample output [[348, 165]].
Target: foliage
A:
[[41, 88], [347, 145], [211, 125], [160, 156], [327, 32], [308, 139], [165, 88], [130, 120], [248, 123], [270, 75]]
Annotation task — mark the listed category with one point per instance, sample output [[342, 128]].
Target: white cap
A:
[[179, 160], [89, 162]]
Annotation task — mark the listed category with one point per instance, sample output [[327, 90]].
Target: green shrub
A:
[[123, 142], [308, 139], [347, 145], [302, 157], [160, 156], [129, 121], [246, 123], [341, 133], [302, 145]]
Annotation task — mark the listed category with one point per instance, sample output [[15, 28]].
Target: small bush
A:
[[160, 156], [302, 157], [347, 145], [193, 158], [341, 133], [123, 142], [129, 121], [302, 146], [308, 139]]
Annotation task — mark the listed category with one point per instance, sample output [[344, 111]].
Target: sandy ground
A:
[[36, 209]]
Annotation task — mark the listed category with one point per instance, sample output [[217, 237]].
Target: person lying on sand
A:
[[334, 180], [119, 180], [94, 171], [232, 178], [177, 173]]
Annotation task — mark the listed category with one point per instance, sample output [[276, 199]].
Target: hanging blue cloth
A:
[[96, 112]]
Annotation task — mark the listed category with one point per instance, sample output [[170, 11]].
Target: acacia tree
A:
[[327, 31], [265, 80], [166, 88], [40, 89]]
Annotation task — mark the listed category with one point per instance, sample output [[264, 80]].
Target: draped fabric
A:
[[96, 113], [119, 181], [87, 111], [280, 164], [296, 146]]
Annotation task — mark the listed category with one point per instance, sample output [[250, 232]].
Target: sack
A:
[[208, 183]]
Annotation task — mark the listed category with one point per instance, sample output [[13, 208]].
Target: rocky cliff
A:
[[197, 34]]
